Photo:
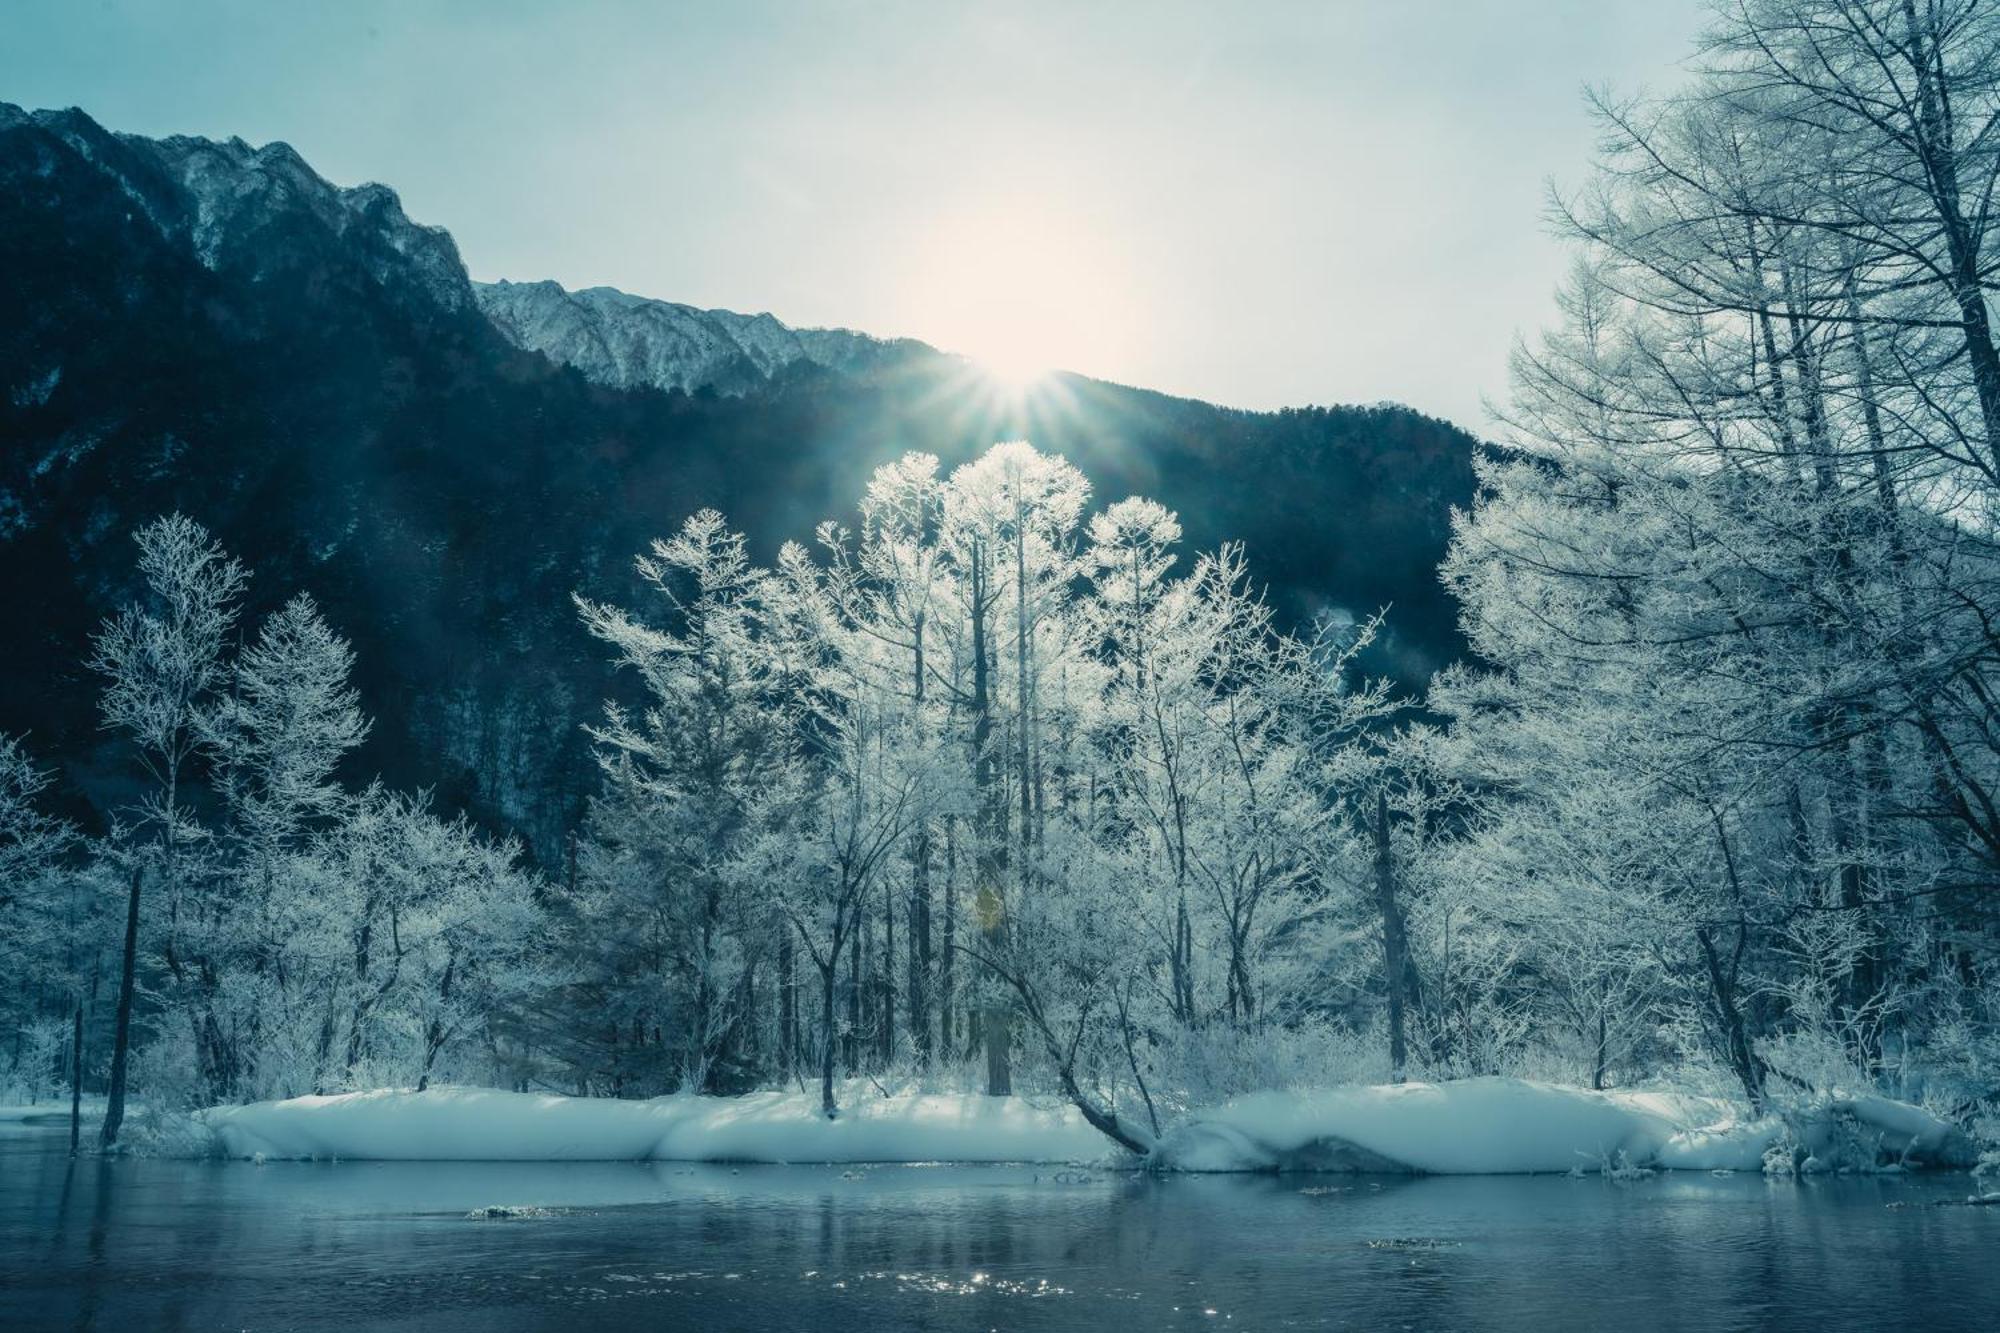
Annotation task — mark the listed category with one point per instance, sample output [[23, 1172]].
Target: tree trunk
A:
[[705, 997], [1023, 692], [1743, 1057], [436, 1033], [1871, 416], [1978, 334], [852, 1042], [1395, 939], [1180, 963], [948, 952], [1105, 1121], [788, 1006], [990, 866], [826, 971], [918, 948], [1132, 1055], [121, 1041], [76, 1081], [885, 985], [1940, 158], [1597, 1065], [1100, 1118]]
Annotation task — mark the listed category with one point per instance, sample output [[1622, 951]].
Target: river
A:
[[138, 1244]]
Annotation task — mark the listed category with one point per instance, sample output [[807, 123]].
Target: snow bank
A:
[[1503, 1126], [50, 1111], [1728, 1146], [1911, 1130], [1480, 1126], [466, 1124]]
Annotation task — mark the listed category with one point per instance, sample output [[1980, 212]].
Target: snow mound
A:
[[1504, 1126], [1729, 1146], [471, 1124], [1478, 1126], [1909, 1130]]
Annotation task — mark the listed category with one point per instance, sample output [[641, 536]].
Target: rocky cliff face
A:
[[631, 342], [249, 210]]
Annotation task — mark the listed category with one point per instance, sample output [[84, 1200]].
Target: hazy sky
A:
[[1257, 204]]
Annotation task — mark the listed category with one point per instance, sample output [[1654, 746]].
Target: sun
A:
[[1002, 311], [1016, 368], [1023, 291]]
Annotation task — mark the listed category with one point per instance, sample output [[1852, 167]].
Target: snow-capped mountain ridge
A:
[[257, 209], [625, 341], [253, 207], [245, 207], [235, 186]]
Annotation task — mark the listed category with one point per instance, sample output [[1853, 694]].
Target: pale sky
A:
[[1257, 204]]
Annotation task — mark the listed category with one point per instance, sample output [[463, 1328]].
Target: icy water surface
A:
[[143, 1245]]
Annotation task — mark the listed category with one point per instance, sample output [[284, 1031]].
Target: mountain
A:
[[634, 342], [250, 210], [214, 328]]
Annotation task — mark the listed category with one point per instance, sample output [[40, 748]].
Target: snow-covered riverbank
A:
[[53, 1109], [474, 1124], [1466, 1127], [1501, 1126]]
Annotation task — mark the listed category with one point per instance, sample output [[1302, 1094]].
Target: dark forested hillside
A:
[[213, 328]]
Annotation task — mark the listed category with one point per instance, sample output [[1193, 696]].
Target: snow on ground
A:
[[1505, 1126], [1477, 1126], [1465, 1127], [468, 1124], [55, 1109]]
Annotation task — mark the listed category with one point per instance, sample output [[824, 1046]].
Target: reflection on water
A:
[[129, 1245]]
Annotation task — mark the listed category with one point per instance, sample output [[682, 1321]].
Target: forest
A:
[[993, 786]]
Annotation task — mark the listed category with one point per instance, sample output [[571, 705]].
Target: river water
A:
[[132, 1245]]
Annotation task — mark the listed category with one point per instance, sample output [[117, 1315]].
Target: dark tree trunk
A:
[[1940, 156], [826, 971], [852, 1038], [788, 1006], [1104, 1120], [1176, 969], [1743, 1057], [885, 985], [947, 997], [990, 866], [435, 1031], [918, 948], [76, 1081], [121, 1041], [1395, 940], [918, 945]]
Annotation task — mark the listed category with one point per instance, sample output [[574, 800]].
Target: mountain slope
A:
[[632, 342], [213, 328]]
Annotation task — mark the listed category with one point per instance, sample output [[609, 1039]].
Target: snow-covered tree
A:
[[44, 938], [672, 933], [162, 658], [274, 741], [1733, 767]]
